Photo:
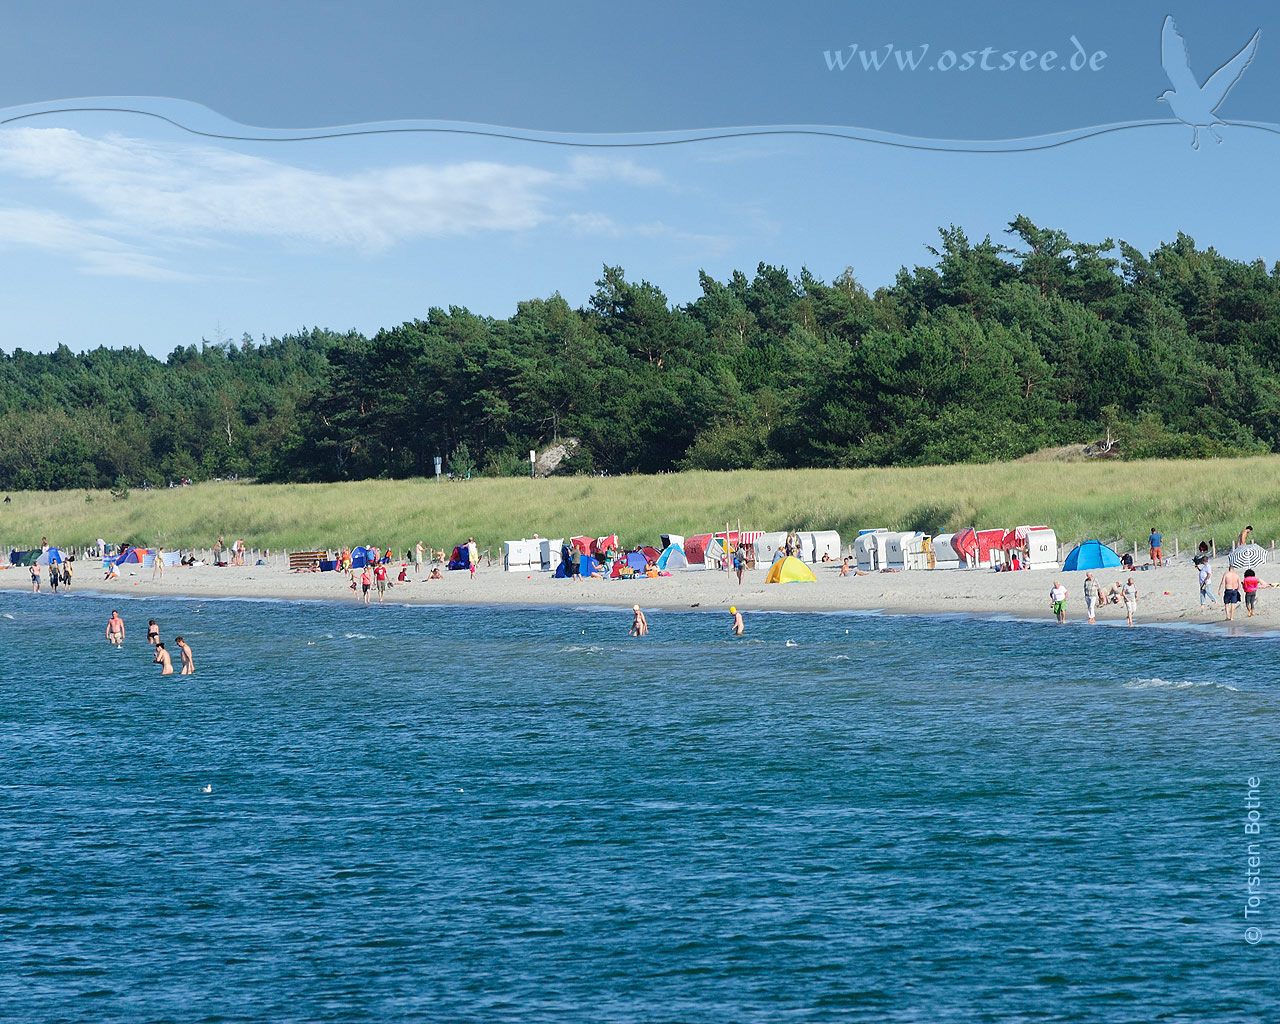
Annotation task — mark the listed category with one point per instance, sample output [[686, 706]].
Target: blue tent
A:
[[637, 561], [566, 568], [461, 557], [672, 557], [360, 557], [587, 565], [1092, 554]]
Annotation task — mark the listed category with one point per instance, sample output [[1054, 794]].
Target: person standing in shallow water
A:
[[115, 629], [639, 624], [1058, 595], [153, 632], [188, 662], [163, 660], [737, 628]]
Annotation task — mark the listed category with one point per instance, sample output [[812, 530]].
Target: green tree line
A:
[[995, 349]]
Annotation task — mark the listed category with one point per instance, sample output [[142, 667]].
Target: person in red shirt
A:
[[1250, 585], [380, 575]]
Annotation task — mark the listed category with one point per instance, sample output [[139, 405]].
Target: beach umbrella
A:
[[1248, 556]]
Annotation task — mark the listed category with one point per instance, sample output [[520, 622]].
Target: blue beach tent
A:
[[587, 565], [461, 558], [1092, 554], [360, 557]]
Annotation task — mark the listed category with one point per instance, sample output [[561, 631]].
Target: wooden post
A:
[[1175, 547], [1213, 544]]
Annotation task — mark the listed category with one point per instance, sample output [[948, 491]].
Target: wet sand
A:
[[1169, 594]]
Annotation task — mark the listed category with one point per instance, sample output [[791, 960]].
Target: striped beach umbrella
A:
[[1247, 556]]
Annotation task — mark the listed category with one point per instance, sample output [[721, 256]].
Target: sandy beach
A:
[[1169, 594]]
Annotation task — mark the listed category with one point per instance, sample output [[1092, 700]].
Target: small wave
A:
[[358, 636], [839, 657], [1155, 682], [578, 649]]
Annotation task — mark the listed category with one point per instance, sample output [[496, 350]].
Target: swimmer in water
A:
[[736, 628], [162, 658], [115, 629], [188, 662], [153, 633], [639, 624]]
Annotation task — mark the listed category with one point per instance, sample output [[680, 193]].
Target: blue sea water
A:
[[468, 814]]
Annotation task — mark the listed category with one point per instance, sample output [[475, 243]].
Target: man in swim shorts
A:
[[380, 575], [115, 629], [1130, 595], [1229, 588], [1058, 595], [188, 662]]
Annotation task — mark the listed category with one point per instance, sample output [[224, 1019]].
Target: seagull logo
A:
[[1192, 103]]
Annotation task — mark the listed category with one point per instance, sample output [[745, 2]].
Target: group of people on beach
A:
[[116, 636]]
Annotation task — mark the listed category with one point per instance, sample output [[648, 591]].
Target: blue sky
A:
[[120, 229]]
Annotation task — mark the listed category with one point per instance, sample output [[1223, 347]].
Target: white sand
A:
[[1168, 594]]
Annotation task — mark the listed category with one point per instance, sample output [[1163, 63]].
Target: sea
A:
[[521, 814]]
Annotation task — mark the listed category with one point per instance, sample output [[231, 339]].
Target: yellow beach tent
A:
[[790, 570]]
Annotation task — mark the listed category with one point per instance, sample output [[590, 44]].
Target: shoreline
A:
[[1166, 596]]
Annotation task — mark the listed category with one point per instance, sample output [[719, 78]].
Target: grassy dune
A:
[[1199, 499]]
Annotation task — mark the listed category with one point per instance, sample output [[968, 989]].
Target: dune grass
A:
[[1081, 499]]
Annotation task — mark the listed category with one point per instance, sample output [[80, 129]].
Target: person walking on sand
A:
[[473, 554], [739, 562], [639, 624], [737, 627], [1058, 595], [1250, 585], [188, 662], [1130, 594], [162, 658], [1090, 596], [35, 579], [1229, 588], [380, 575], [417, 559], [153, 632], [1204, 572], [157, 565], [55, 575], [364, 585], [1156, 543], [115, 629]]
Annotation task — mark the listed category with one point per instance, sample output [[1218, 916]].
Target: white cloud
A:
[[98, 253], [157, 195]]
